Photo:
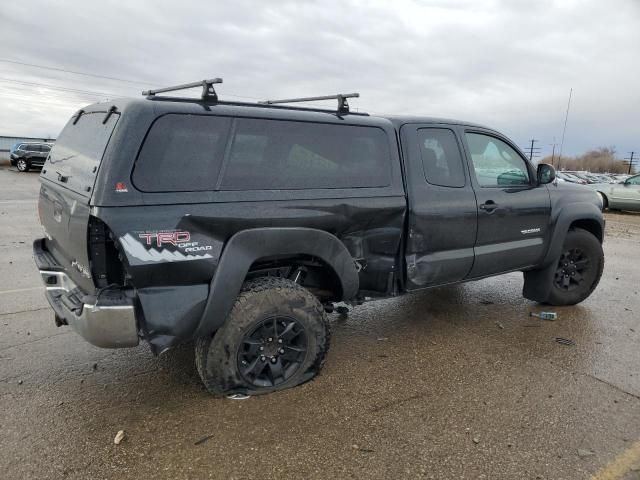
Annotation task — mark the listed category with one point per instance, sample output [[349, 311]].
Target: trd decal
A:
[[165, 238], [163, 246], [530, 230]]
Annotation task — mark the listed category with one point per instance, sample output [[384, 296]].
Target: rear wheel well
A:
[[591, 226], [308, 271], [605, 200]]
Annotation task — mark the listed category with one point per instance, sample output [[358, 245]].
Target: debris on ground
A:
[[551, 316], [382, 339], [476, 440], [119, 437], [237, 396], [486, 302], [499, 325], [94, 366], [203, 439], [19, 382], [565, 341], [582, 453]]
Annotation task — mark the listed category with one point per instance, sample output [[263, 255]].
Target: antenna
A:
[[343, 104], [565, 128], [208, 92]]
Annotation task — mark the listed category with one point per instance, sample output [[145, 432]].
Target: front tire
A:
[[579, 268], [22, 165], [276, 337]]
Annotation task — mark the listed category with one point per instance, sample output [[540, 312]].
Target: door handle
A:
[[490, 206]]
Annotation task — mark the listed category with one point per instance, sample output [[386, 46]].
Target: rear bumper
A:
[[107, 321]]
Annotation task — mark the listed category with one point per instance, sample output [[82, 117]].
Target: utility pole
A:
[[531, 149], [566, 117], [553, 154], [630, 159]]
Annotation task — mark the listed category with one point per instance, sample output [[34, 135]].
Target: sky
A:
[[506, 64]]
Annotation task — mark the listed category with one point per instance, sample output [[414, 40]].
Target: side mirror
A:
[[546, 173]]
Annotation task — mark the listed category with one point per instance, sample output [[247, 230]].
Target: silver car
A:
[[624, 195]]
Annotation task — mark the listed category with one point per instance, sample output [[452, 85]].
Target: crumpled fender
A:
[[247, 246]]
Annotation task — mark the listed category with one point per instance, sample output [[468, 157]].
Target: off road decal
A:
[[163, 246]]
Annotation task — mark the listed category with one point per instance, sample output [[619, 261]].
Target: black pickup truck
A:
[[240, 225]]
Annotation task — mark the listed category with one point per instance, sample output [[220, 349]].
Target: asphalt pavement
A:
[[455, 382]]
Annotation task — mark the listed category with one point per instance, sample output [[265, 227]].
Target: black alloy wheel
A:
[[578, 270], [276, 336], [573, 266], [272, 352]]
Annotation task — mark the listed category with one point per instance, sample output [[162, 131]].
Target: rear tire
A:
[[276, 337], [579, 268], [22, 165]]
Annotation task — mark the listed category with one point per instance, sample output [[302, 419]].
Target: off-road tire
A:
[[22, 165], [587, 243], [217, 355]]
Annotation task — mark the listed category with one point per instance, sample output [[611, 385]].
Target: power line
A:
[[74, 72], [65, 89], [48, 101]]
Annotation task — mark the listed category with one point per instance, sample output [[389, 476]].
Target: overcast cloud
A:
[[507, 64]]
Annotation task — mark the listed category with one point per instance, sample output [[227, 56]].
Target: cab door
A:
[[626, 194], [442, 206], [513, 210]]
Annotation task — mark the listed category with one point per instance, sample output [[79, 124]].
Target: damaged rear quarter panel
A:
[[170, 247], [174, 240]]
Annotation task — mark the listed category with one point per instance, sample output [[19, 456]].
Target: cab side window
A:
[[441, 159], [496, 164]]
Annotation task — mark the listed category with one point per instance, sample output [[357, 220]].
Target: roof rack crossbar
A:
[[343, 104], [208, 92]]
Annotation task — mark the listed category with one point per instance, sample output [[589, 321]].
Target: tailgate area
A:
[[105, 319]]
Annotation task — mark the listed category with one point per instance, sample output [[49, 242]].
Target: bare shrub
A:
[[602, 159]]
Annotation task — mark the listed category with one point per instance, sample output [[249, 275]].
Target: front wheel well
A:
[[591, 226], [308, 271]]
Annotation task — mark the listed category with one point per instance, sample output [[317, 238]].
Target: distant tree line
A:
[[600, 160]]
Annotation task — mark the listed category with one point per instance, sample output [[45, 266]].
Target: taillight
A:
[[104, 258]]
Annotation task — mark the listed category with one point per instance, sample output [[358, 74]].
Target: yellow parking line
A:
[[621, 464]]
